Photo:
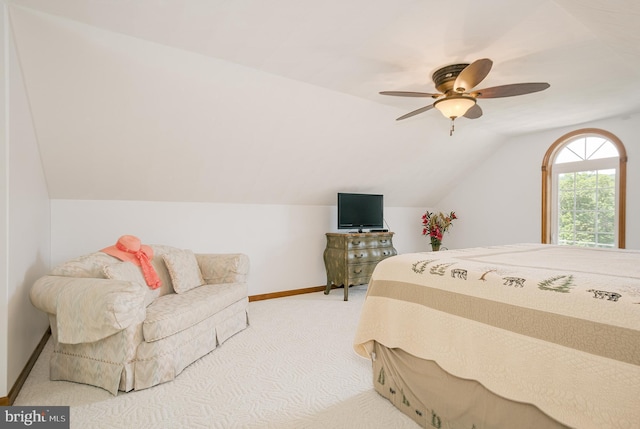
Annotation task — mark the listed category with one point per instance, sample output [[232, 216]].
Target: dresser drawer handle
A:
[[383, 241], [358, 271], [359, 256], [386, 253], [356, 243]]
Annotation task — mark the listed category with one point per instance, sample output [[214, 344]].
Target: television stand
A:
[[350, 258]]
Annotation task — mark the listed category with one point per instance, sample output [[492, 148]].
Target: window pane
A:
[[598, 148], [606, 200], [566, 237], [606, 240], [569, 155], [585, 239], [584, 148], [606, 221], [566, 204], [585, 199], [566, 192], [585, 221], [566, 181]]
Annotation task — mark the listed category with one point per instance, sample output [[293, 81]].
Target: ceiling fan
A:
[[457, 96]]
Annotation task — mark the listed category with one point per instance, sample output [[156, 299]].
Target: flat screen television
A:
[[360, 211]]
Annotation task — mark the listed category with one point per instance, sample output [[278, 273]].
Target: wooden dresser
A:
[[350, 258]]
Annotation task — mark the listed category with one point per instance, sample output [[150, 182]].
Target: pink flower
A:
[[436, 224]]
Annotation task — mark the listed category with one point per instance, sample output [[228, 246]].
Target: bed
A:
[[514, 336]]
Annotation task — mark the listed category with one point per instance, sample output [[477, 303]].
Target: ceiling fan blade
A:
[[474, 112], [415, 112], [472, 75], [410, 94], [510, 90]]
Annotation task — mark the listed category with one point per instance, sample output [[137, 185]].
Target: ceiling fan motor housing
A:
[[445, 77]]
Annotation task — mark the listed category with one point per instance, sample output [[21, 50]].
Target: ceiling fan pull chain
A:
[[453, 128]]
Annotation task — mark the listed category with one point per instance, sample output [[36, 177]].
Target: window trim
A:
[[547, 175]]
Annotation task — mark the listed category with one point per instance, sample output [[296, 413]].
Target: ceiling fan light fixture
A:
[[454, 106]]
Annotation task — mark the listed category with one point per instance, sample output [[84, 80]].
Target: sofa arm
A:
[[89, 309], [223, 268]]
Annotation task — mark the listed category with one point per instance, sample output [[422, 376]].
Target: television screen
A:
[[360, 211]]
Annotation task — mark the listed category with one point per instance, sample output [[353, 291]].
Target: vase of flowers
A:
[[435, 225]]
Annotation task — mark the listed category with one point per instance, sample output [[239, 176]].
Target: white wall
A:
[[4, 196], [285, 243], [500, 201], [25, 225]]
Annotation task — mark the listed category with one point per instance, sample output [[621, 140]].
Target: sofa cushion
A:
[[174, 313], [126, 271], [183, 269]]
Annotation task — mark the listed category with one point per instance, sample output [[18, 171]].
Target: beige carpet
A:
[[294, 367]]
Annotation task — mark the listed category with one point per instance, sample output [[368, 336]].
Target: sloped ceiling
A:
[[277, 102]]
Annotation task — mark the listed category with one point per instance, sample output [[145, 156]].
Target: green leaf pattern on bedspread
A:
[[562, 283], [557, 284]]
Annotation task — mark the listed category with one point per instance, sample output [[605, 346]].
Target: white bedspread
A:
[[555, 326]]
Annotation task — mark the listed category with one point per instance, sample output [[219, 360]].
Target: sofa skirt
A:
[[109, 365]]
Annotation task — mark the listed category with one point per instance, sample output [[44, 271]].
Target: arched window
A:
[[584, 190]]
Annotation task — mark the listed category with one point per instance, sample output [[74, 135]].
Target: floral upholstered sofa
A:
[[109, 329]]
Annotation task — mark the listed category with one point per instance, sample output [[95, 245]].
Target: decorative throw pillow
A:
[[183, 269], [161, 268], [127, 271]]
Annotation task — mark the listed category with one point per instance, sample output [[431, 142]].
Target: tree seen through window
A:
[[587, 208]]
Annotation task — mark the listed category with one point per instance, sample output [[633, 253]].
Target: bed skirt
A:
[[434, 398]]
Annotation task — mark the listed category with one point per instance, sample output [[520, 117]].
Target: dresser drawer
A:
[[382, 242], [368, 242], [361, 271], [359, 281], [357, 243], [369, 255]]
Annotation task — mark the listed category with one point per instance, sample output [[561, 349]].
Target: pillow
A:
[[161, 268], [127, 271], [183, 269]]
